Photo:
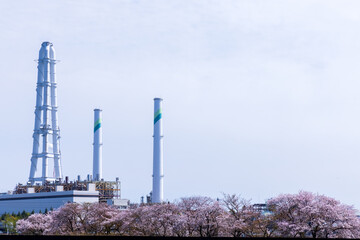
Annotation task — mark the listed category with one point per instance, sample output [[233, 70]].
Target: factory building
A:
[[42, 201]]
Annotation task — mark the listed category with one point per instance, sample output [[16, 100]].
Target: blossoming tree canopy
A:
[[306, 214], [290, 215]]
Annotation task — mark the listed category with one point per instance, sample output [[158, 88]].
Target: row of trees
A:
[[8, 221], [292, 215]]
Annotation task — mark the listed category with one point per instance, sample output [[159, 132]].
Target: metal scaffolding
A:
[[107, 189]]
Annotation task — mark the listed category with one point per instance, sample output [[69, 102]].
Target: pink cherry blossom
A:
[[291, 215], [35, 224], [311, 215]]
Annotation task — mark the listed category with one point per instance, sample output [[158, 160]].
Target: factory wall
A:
[[46, 200]]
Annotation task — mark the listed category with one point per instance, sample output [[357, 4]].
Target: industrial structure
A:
[[46, 129], [157, 195], [31, 200], [97, 164], [52, 191]]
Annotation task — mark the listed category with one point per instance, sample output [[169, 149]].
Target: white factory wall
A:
[[47, 200]]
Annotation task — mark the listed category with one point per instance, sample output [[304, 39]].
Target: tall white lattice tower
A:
[[46, 130]]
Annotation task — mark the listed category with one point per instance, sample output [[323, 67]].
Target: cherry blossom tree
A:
[[87, 218], [121, 223], [291, 215], [203, 216], [99, 218], [155, 220], [306, 214], [69, 219], [35, 224], [190, 207], [164, 219], [244, 220], [239, 221]]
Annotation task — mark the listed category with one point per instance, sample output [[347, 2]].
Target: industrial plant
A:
[[45, 191]]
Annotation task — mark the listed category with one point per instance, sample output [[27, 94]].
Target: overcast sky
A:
[[260, 97]]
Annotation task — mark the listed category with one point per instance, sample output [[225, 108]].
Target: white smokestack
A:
[[46, 135], [97, 164], [158, 173]]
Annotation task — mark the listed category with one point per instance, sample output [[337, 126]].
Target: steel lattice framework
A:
[[46, 130]]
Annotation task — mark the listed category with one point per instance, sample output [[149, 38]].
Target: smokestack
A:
[[158, 174], [97, 164], [46, 135]]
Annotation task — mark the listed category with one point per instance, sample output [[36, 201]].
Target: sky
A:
[[261, 97]]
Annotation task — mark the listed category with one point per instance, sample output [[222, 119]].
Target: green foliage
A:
[[24, 214], [9, 223]]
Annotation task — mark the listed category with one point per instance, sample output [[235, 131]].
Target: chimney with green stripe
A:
[[97, 163], [158, 172]]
